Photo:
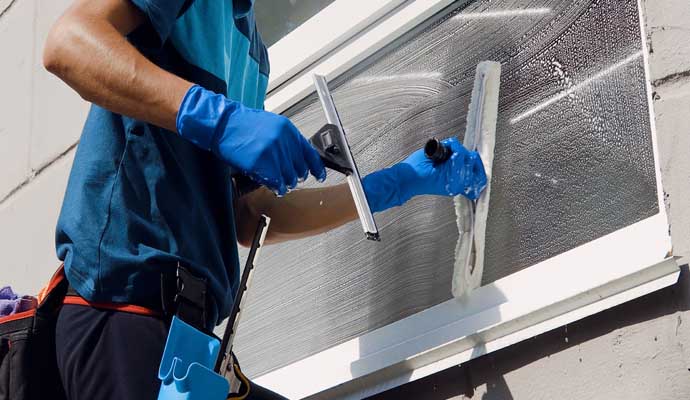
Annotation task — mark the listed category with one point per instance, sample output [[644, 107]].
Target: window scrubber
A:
[[480, 135]]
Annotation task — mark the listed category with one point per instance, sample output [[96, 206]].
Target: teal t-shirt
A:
[[140, 198]]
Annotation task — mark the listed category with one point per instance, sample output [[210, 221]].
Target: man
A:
[[177, 88]]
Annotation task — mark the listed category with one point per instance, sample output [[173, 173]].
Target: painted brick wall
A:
[[40, 123]]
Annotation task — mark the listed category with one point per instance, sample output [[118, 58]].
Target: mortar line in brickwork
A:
[[32, 85], [36, 173], [3, 12]]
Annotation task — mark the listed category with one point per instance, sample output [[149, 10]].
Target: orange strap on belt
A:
[[19, 315], [59, 276], [130, 308]]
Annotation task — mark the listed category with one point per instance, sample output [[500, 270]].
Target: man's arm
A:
[[311, 211], [299, 214], [87, 49]]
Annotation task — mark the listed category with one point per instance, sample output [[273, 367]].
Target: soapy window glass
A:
[[573, 162]]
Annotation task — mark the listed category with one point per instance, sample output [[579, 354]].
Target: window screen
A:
[[573, 162]]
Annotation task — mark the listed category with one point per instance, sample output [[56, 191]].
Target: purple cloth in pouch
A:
[[11, 303]]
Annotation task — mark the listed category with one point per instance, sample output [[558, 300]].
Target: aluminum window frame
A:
[[600, 274]]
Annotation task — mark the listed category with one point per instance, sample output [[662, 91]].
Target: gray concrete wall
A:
[[639, 350]]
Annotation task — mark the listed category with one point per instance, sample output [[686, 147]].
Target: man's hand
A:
[[261, 145], [417, 175]]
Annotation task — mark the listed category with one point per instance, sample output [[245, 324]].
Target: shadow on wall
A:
[[496, 390], [489, 370]]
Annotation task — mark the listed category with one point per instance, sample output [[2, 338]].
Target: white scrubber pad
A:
[[480, 135]]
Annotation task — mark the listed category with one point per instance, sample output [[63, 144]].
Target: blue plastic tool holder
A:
[[186, 370]]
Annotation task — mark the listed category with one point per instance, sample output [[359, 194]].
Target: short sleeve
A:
[[161, 15]]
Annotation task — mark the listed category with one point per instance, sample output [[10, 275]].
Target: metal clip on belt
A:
[[186, 296]]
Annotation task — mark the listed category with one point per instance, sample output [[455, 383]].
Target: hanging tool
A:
[[480, 136], [224, 362], [196, 365]]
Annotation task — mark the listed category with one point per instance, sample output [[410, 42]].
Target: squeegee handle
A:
[[437, 151]]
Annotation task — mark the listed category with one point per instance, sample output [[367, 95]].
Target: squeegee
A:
[[331, 144]]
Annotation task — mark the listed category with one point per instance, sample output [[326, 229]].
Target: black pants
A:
[[111, 355]]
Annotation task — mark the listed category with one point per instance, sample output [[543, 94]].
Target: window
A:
[[276, 19], [306, 30], [576, 222]]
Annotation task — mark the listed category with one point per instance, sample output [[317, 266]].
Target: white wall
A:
[[40, 122]]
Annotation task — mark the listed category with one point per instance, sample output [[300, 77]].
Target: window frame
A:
[[600, 274], [310, 41]]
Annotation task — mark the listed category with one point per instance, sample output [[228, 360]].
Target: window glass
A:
[[277, 18], [573, 162]]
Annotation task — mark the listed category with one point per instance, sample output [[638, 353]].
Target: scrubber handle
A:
[[437, 151]]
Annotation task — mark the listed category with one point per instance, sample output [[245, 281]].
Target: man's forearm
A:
[[87, 49], [301, 213]]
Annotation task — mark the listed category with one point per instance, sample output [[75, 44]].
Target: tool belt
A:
[[182, 294], [28, 365], [185, 296]]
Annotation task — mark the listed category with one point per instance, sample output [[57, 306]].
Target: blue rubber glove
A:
[[463, 173], [264, 146]]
